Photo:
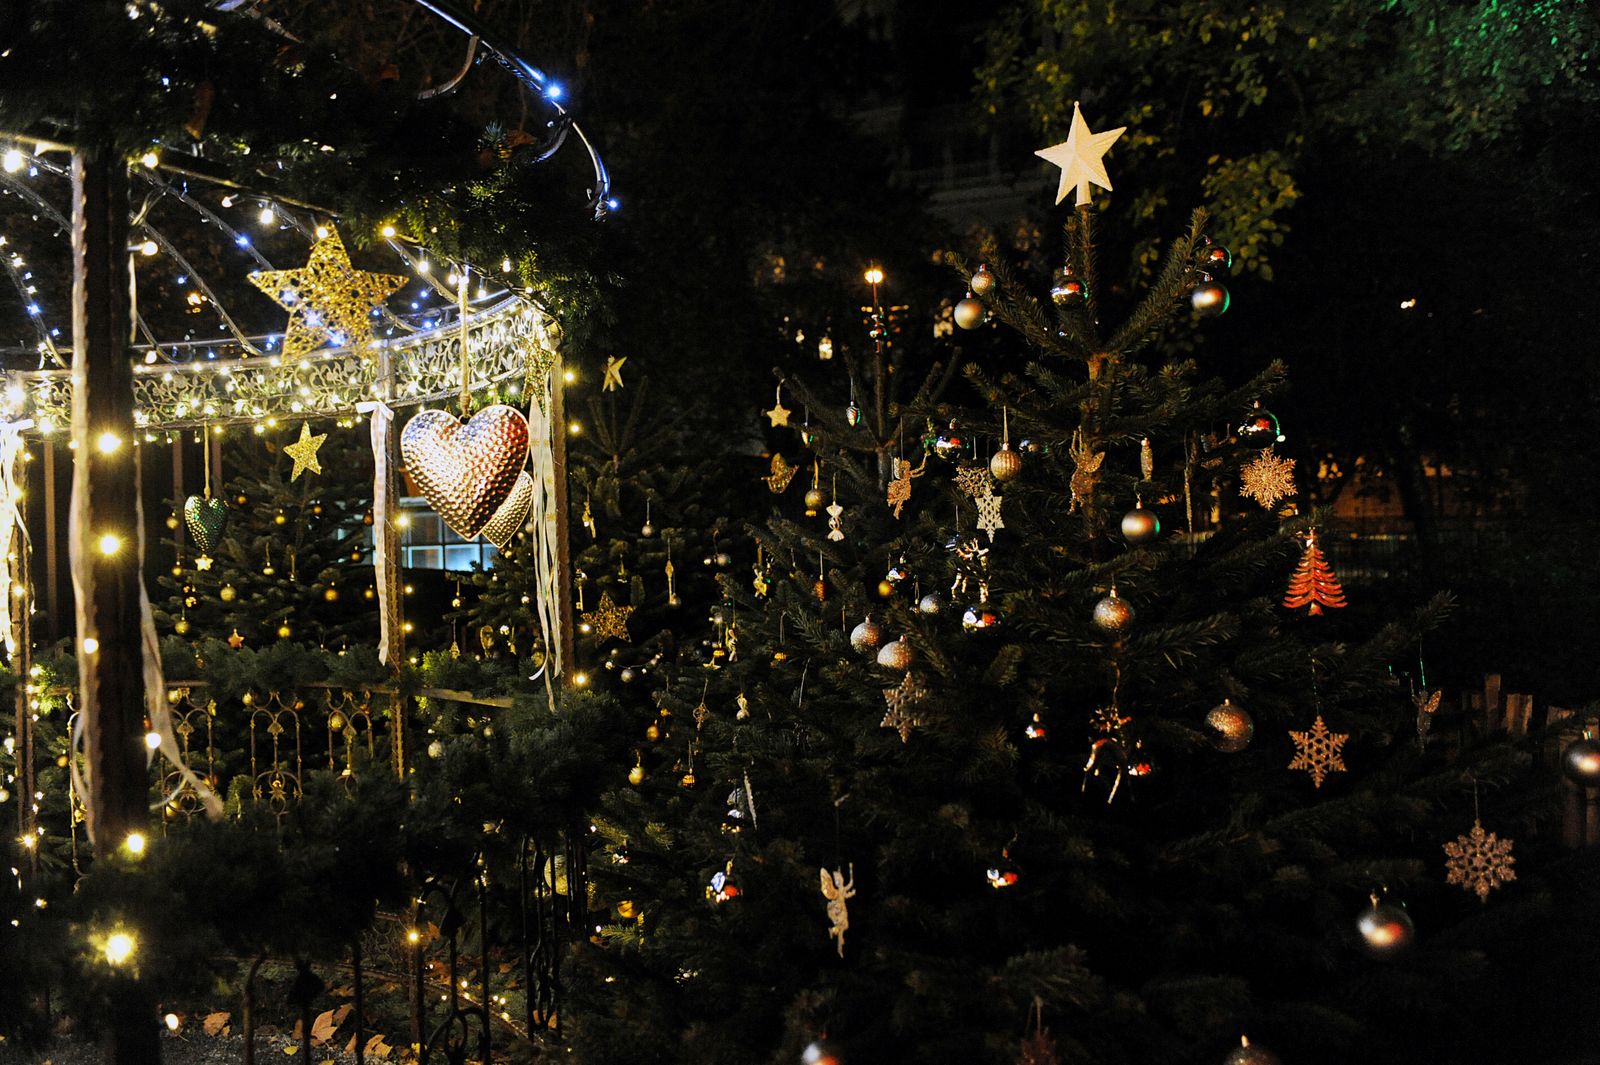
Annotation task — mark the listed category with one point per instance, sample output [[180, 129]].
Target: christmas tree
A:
[[991, 743], [282, 548]]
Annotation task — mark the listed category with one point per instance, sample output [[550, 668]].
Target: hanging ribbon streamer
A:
[[542, 520], [382, 416], [11, 526]]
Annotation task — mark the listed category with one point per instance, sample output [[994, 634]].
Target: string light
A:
[[13, 161], [90, 645], [108, 443], [135, 844], [150, 160], [110, 544], [119, 948], [152, 741]]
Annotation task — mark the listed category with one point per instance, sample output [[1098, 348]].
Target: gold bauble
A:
[[1005, 464], [172, 521], [652, 732], [177, 571], [636, 775], [1230, 727], [181, 626], [814, 499], [1113, 614], [896, 655], [241, 500], [1140, 525], [280, 518], [969, 313], [228, 593], [688, 780], [369, 593], [885, 589], [366, 519], [330, 595], [317, 510], [284, 631]]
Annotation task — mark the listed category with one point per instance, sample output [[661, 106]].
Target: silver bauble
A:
[[436, 749], [969, 313], [1386, 929], [1005, 464], [1230, 727], [1113, 614], [1209, 298], [866, 636], [1581, 761], [1140, 526], [931, 604], [1248, 1053], [982, 281], [647, 530], [627, 674], [896, 654]]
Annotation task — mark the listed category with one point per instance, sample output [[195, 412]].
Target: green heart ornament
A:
[[206, 518]]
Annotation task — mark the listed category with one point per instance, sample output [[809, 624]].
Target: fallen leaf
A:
[[377, 1048], [215, 1023], [292, 1049], [342, 1012], [322, 1028]]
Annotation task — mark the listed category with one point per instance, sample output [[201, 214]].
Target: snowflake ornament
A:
[[1267, 479], [989, 519], [974, 481], [1479, 861], [1318, 751], [902, 702]]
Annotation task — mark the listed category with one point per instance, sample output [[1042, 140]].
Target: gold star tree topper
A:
[[304, 452], [1081, 158], [328, 300], [1318, 751], [608, 619], [613, 378]]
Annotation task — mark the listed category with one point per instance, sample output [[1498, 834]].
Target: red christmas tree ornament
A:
[[1314, 583]]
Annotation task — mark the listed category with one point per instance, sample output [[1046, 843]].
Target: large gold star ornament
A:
[[608, 619], [304, 452], [328, 300], [1081, 158]]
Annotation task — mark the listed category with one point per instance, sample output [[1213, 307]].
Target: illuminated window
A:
[[428, 543]]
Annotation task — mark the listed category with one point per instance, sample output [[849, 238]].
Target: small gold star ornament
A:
[[235, 641], [304, 452], [1081, 158], [1318, 751], [608, 619], [613, 378], [328, 300], [203, 563], [779, 414]]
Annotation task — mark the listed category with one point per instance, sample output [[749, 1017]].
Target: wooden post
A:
[[106, 583], [558, 462]]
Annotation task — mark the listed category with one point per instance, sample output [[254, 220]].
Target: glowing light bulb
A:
[[135, 843], [108, 443], [109, 543], [119, 948], [148, 248], [389, 232], [152, 741], [13, 161], [874, 275], [150, 159], [267, 215], [171, 1021], [90, 645], [322, 232]]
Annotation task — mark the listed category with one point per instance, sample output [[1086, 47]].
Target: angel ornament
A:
[[900, 487], [1085, 472], [836, 889]]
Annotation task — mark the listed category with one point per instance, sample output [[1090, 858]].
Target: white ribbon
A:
[[543, 525], [382, 417], [11, 526]]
